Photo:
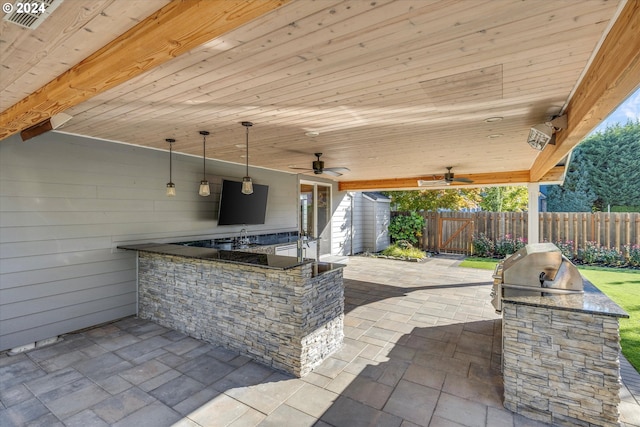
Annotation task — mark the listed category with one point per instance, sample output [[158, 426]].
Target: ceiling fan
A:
[[447, 179], [318, 167]]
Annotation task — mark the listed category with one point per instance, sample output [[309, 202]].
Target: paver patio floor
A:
[[422, 348]]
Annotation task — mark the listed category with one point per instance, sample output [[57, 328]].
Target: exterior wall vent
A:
[[30, 14]]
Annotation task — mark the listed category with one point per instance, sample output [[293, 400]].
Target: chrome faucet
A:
[[244, 238]]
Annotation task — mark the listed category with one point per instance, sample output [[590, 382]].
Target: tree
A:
[[432, 200], [604, 170], [614, 165], [505, 199], [576, 194]]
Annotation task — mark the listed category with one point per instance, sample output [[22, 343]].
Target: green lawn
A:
[[622, 286]]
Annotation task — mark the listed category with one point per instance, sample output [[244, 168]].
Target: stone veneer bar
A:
[[285, 314], [561, 358]]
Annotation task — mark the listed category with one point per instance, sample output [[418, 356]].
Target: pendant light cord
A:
[[204, 158], [247, 154]]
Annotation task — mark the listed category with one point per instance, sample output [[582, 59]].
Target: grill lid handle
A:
[[542, 277]]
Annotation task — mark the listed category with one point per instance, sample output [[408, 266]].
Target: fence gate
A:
[[455, 235]]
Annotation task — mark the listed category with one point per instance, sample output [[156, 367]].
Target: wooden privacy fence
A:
[[454, 231]]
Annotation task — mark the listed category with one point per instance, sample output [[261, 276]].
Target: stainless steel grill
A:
[[536, 270]]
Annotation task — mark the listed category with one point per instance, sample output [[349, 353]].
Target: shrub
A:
[[483, 246], [589, 254], [611, 257], [508, 245], [566, 247], [633, 255], [403, 249], [406, 227]]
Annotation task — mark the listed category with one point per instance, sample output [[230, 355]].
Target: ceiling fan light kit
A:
[[447, 179], [317, 167]]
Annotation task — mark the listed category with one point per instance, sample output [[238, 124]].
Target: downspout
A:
[[351, 207]]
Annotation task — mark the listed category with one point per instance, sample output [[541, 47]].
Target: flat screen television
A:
[[238, 208]]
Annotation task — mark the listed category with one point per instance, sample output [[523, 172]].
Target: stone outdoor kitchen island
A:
[[280, 312]]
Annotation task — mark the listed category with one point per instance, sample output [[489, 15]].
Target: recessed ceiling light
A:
[[493, 119], [495, 135], [312, 133]]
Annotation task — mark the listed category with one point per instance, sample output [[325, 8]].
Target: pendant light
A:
[[204, 184], [171, 187], [247, 185]]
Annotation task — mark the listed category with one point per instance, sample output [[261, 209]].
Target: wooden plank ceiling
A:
[[394, 89]]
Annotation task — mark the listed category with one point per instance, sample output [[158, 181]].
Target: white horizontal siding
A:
[[66, 202]]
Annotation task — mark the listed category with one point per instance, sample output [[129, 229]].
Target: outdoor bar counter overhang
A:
[[280, 311]]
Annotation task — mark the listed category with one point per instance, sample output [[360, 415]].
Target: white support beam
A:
[[534, 213]]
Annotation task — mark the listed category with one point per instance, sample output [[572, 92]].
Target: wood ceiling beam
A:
[[612, 76], [479, 180], [171, 31]]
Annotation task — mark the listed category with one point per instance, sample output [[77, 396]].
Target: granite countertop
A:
[[233, 257], [592, 301]]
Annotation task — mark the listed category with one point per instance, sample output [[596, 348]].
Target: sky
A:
[[629, 109]]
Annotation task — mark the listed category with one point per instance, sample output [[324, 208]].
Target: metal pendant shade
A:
[[247, 184]]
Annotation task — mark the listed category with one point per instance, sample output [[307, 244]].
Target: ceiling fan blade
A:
[[301, 169], [430, 183], [341, 170], [331, 172], [467, 180]]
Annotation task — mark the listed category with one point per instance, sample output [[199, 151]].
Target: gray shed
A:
[[376, 214]]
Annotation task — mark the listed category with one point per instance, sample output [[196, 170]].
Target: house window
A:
[[315, 214]]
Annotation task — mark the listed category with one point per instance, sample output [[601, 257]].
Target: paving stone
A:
[[220, 411], [153, 415], [196, 400], [369, 392], [183, 346], [112, 343], [14, 395], [312, 400], [251, 418], [268, 395], [177, 390], [22, 413], [21, 371], [248, 374], [141, 348], [425, 376], [288, 416], [85, 418], [331, 367], [114, 385], [103, 366], [158, 381], [121, 405], [412, 402], [349, 413], [144, 372], [481, 392], [63, 360], [77, 401], [205, 369], [47, 420], [462, 411], [499, 417], [53, 380]]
